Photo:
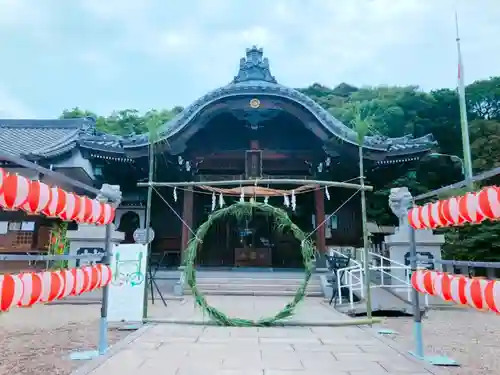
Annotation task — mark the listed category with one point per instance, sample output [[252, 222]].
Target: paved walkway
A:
[[190, 350]]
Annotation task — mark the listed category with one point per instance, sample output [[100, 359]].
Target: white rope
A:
[[330, 215]]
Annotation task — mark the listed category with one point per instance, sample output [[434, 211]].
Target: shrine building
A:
[[251, 128]]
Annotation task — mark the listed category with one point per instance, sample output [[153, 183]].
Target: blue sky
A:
[[115, 54]]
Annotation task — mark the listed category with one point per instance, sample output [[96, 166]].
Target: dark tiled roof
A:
[[46, 138], [254, 78], [42, 138]]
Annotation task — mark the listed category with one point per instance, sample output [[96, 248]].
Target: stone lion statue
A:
[[400, 200], [111, 191]]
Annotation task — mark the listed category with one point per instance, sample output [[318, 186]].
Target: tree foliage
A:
[[393, 112]]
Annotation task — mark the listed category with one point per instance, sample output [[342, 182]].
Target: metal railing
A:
[[384, 273], [352, 271]]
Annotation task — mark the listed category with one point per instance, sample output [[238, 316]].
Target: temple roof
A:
[[49, 138], [254, 78], [38, 139]]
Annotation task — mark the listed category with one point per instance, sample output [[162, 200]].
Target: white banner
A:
[[126, 291]]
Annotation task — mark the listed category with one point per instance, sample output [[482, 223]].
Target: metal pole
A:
[[275, 181], [147, 224], [458, 263], [366, 254], [463, 113], [48, 258], [480, 177], [417, 316], [103, 323]]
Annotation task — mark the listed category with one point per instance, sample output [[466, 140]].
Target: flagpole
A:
[[463, 113]]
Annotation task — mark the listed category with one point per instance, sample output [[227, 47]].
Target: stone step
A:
[[253, 293], [247, 280], [257, 287]]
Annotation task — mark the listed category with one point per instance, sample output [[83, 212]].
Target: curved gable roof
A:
[[254, 78]]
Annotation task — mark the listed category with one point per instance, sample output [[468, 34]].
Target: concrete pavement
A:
[[188, 349]]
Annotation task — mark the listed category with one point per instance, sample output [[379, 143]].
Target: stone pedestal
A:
[[428, 246], [89, 239]]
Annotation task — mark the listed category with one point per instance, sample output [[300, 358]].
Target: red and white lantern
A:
[[68, 280], [3, 175], [85, 210], [435, 213], [82, 280], [417, 281], [489, 202], [458, 286], [492, 296], [11, 291], [413, 218], [450, 212], [51, 285], [57, 203], [71, 208], [87, 270], [107, 214], [424, 216], [106, 275], [15, 191], [32, 289], [423, 280], [474, 293], [442, 286], [97, 209], [38, 198], [95, 278], [468, 208]]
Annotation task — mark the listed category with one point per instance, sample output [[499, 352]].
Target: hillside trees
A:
[[394, 112]]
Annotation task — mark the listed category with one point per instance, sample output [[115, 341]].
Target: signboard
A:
[[126, 290], [89, 251], [140, 236]]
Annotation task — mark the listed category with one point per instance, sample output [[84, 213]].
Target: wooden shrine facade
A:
[[251, 128]]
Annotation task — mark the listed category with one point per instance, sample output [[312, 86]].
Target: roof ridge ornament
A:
[[254, 67]]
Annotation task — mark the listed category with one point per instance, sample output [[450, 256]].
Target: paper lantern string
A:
[[471, 208], [175, 194], [214, 201], [327, 193]]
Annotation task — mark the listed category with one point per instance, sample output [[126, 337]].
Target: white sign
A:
[[140, 236], [126, 290]]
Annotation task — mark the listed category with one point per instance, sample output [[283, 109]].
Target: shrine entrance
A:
[[249, 243]]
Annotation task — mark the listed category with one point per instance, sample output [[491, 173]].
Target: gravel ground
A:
[[470, 337], [38, 340]]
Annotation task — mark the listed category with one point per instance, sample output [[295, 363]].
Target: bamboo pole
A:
[[366, 256], [270, 181], [285, 323]]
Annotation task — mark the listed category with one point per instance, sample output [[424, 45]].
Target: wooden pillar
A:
[[319, 200], [187, 216]]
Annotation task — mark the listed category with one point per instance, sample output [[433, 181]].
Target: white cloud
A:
[[178, 50], [11, 107], [26, 18]]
